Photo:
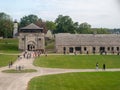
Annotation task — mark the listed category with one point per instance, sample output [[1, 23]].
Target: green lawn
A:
[[77, 81], [20, 71], [79, 61], [9, 40], [49, 44], [9, 46], [5, 59]]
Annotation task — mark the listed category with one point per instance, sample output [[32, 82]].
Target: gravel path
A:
[[19, 81]]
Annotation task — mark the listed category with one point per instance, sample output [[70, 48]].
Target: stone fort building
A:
[[31, 38], [87, 43]]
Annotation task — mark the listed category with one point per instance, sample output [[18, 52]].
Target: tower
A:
[[15, 31], [31, 38]]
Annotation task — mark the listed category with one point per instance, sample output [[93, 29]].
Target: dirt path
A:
[[19, 81]]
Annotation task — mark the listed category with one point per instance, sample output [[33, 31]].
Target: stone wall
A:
[[87, 43], [31, 38], [89, 49]]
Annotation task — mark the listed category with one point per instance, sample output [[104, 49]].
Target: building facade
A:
[[87, 43], [31, 38]]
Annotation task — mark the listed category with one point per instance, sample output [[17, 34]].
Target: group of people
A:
[[97, 66], [19, 67], [27, 55], [31, 54]]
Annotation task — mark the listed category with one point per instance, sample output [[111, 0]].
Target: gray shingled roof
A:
[[31, 26], [88, 39]]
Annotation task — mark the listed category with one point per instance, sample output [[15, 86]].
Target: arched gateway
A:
[[31, 46], [31, 38]]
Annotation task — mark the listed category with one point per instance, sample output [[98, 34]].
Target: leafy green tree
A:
[[6, 25], [50, 25], [64, 24], [76, 27], [84, 28], [26, 20], [101, 31]]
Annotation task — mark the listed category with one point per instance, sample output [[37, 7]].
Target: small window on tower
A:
[[39, 38], [23, 38]]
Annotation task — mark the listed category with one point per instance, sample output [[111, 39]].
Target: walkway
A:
[[19, 81]]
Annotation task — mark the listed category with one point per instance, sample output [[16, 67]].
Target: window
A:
[[117, 48], [102, 49], [108, 48], [85, 48], [23, 38], [112, 48], [39, 38], [71, 49], [78, 48], [64, 48], [94, 48]]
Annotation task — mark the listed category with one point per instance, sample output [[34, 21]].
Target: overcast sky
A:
[[98, 13]]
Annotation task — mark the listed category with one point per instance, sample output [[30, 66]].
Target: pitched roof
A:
[[88, 39], [31, 26]]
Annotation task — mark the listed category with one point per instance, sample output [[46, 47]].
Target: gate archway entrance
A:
[[31, 46]]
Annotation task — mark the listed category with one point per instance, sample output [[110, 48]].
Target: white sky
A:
[[98, 13]]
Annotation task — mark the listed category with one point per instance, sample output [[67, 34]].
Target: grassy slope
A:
[[80, 61], [9, 46], [5, 59], [49, 44], [77, 81]]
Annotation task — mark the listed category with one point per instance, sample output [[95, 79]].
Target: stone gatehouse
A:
[[87, 43], [31, 38]]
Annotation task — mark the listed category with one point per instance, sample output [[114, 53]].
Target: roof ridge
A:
[[31, 26]]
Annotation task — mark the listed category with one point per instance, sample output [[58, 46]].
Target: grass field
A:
[[49, 44], [78, 62], [9, 46], [77, 81], [20, 71], [5, 59]]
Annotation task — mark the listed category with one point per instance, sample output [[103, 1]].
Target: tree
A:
[[84, 28], [26, 20], [100, 30], [50, 25], [64, 24], [76, 27], [6, 25]]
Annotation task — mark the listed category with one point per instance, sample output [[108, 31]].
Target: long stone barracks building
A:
[[87, 43], [31, 38]]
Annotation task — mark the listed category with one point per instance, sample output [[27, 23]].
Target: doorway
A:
[[64, 50], [31, 47], [71, 49], [102, 49]]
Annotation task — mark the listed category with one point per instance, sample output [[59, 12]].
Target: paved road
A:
[[19, 81]]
